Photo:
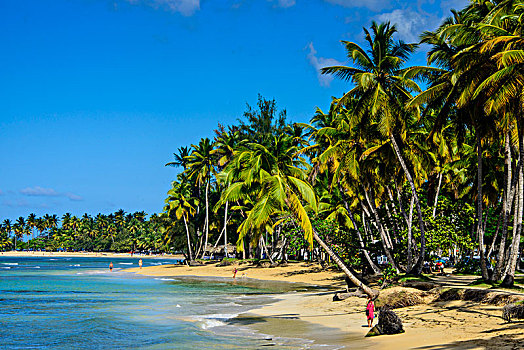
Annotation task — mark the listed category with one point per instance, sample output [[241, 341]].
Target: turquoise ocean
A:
[[76, 303]]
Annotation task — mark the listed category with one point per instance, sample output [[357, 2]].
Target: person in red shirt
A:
[[370, 311]]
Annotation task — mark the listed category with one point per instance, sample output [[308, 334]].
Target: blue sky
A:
[[98, 94]]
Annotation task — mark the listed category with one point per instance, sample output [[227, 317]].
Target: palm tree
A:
[[503, 41], [181, 205], [279, 176], [227, 145], [200, 170], [20, 228], [31, 222], [7, 228], [181, 158], [382, 89]]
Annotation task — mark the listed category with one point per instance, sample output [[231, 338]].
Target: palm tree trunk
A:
[[188, 239], [264, 246], [393, 223], [207, 219], [506, 207], [399, 198], [495, 236], [436, 195], [370, 292], [480, 226], [370, 261], [417, 269], [225, 230], [381, 231], [410, 235], [515, 244]]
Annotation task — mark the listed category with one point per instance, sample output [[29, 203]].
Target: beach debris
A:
[[355, 292], [514, 310], [388, 323]]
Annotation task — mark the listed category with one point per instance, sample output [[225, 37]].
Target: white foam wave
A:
[[165, 279], [214, 320], [75, 265], [207, 324], [125, 263], [35, 267], [10, 264], [5, 267]]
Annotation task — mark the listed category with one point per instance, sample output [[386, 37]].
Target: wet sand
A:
[[436, 326]]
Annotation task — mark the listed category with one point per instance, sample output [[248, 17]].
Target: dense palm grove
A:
[[412, 162], [118, 232]]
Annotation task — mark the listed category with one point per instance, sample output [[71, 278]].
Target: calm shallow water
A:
[[64, 303]]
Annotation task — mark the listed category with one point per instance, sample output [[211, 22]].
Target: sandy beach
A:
[[434, 326]]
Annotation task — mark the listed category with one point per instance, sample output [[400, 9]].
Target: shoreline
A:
[[29, 254], [434, 326]]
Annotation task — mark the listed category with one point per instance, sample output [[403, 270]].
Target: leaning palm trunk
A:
[[207, 220], [417, 269], [506, 207], [264, 246], [188, 239], [383, 236], [436, 195], [515, 244], [225, 230], [495, 237], [410, 235], [374, 267], [402, 211], [370, 292], [511, 262], [480, 226]]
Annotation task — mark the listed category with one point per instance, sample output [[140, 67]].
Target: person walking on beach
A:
[[140, 263], [111, 266], [235, 272], [370, 310]]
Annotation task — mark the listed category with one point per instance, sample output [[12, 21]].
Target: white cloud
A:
[[410, 24], [185, 7], [39, 191], [74, 197], [284, 3], [319, 63], [373, 5]]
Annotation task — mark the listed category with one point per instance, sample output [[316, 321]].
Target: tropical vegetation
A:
[[412, 162]]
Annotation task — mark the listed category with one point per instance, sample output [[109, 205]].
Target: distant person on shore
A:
[[235, 272], [111, 266], [370, 311], [140, 263]]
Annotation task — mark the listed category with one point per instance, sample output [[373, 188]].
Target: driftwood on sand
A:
[[355, 292]]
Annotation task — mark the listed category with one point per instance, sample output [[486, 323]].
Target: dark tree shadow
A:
[[504, 341]]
